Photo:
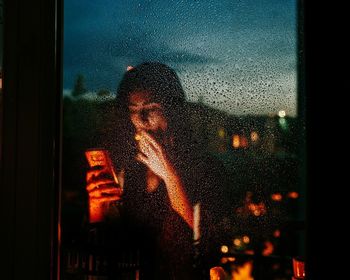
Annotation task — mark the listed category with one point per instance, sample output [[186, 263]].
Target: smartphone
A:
[[99, 158]]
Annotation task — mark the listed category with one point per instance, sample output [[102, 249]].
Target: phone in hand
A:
[[99, 158]]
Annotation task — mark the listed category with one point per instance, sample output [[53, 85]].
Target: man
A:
[[164, 177]]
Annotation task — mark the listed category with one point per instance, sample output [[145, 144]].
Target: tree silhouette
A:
[[79, 86]]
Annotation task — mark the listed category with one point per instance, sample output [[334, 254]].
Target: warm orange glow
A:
[[224, 260], [100, 157], [237, 242], [235, 141], [221, 132], [269, 248], [231, 259], [246, 239], [249, 252], [96, 211], [257, 213], [129, 67], [96, 158], [298, 268], [243, 272], [293, 195], [277, 233], [276, 197], [257, 209], [224, 249], [244, 142], [137, 137], [252, 206], [217, 273], [254, 136], [0, 84]]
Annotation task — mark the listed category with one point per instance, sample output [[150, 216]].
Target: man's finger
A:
[[98, 183], [107, 198], [146, 148], [107, 190], [94, 173], [142, 158], [151, 140]]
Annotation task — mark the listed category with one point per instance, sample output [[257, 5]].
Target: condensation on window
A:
[[181, 128]]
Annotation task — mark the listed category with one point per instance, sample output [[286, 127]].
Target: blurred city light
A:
[[224, 249], [217, 273], [257, 213], [243, 272], [221, 132], [235, 141], [276, 197], [237, 242], [246, 239], [293, 195], [283, 123], [282, 114], [257, 209], [254, 136], [269, 248], [244, 142], [277, 233]]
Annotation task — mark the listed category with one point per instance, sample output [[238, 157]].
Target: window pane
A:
[[183, 117]]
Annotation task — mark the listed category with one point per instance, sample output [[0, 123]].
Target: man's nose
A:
[[141, 121]]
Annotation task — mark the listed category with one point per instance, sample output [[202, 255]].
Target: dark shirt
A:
[[164, 239]]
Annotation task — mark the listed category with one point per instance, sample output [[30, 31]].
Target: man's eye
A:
[[153, 110]]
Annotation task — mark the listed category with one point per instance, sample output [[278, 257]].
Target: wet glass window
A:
[[182, 141]]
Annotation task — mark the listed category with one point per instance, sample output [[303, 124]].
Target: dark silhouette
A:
[[79, 86], [164, 176]]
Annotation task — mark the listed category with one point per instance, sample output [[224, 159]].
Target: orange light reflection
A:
[[235, 141], [269, 248], [243, 272], [293, 195], [277, 233], [217, 273], [276, 197]]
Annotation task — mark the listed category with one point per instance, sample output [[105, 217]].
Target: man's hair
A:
[[158, 79], [164, 85]]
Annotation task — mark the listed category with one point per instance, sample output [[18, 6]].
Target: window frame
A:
[[30, 174], [31, 138]]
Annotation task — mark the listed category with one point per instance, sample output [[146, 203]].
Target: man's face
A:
[[147, 115]]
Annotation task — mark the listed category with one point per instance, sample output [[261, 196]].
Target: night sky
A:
[[237, 55]]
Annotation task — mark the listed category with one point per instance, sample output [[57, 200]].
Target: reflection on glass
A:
[[233, 130]]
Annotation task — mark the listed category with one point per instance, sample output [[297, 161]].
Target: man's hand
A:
[[153, 155], [101, 190]]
